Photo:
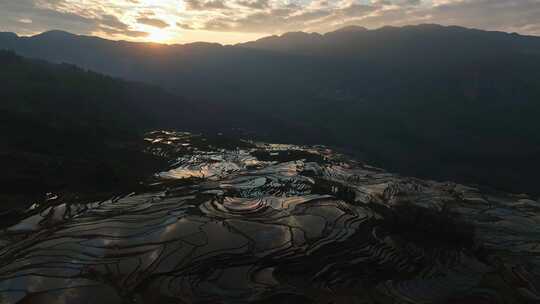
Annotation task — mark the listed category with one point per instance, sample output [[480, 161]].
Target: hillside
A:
[[67, 129], [430, 101]]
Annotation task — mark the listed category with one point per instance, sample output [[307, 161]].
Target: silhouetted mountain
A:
[[289, 42], [63, 127], [427, 100], [350, 29], [54, 35], [7, 35]]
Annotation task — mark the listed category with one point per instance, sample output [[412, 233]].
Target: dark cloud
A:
[[185, 26], [402, 2], [155, 22], [37, 19], [205, 5], [287, 19], [492, 14], [356, 10], [129, 33], [507, 15], [113, 26], [255, 4], [113, 22]]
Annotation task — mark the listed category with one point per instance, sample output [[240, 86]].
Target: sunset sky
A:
[[232, 21]]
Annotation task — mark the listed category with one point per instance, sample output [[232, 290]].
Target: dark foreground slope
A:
[[263, 223], [443, 102], [66, 128]]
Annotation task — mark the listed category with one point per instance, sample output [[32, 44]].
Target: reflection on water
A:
[[276, 223]]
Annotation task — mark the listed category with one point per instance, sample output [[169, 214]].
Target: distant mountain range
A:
[[427, 100]]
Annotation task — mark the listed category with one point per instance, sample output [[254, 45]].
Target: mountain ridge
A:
[[345, 29], [458, 103]]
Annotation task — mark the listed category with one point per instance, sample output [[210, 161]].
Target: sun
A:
[[158, 35]]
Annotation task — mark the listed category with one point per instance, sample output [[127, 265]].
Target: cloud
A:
[[205, 5], [113, 22], [506, 15], [255, 4], [184, 26], [40, 17], [522, 16], [153, 22], [35, 16], [129, 19], [290, 18]]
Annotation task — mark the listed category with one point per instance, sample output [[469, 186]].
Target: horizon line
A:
[[362, 28]]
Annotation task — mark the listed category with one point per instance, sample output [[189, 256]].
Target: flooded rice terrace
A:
[[248, 222]]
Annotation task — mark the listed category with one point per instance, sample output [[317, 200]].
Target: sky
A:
[[233, 21]]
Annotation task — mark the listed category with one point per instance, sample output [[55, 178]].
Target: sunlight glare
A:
[[158, 35]]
